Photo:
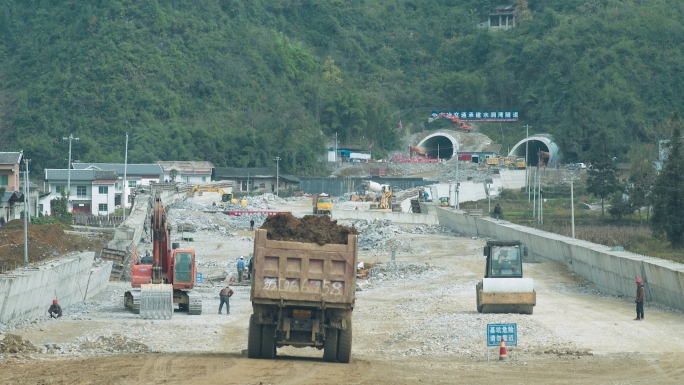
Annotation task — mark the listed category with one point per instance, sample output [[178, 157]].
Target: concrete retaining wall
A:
[[612, 272], [28, 292], [394, 217]]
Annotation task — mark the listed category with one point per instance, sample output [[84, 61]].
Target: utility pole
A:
[[534, 195], [277, 159], [336, 147], [27, 211], [458, 183], [572, 208], [68, 194], [527, 152], [125, 184]]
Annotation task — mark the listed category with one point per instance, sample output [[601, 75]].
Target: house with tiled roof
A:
[[187, 171], [12, 199], [255, 179], [96, 192]]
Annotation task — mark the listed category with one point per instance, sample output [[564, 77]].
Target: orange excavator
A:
[[418, 150], [459, 123], [168, 280], [544, 158]]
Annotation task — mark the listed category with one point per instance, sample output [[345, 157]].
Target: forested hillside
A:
[[238, 82]]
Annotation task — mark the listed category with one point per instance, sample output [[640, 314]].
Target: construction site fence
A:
[[98, 220]]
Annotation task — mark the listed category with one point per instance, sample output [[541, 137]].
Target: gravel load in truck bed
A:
[[309, 229]]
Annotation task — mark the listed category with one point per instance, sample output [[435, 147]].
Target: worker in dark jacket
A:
[[225, 295], [55, 310], [640, 298], [497, 211]]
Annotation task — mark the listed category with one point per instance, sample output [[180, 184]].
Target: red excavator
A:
[[169, 279], [459, 123]]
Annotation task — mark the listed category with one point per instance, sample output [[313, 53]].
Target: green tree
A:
[[620, 207], [641, 179], [602, 181], [668, 196], [60, 209]]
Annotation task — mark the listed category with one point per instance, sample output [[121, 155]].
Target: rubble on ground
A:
[[14, 343], [375, 235], [113, 344]]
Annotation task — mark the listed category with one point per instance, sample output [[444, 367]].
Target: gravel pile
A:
[[376, 235], [242, 222], [14, 343], [406, 271], [102, 345]]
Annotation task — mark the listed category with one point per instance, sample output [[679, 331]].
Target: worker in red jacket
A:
[[55, 310], [640, 298]]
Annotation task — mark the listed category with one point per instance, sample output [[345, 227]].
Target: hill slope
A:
[[240, 82]]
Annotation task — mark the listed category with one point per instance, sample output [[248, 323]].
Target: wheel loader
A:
[[503, 288]]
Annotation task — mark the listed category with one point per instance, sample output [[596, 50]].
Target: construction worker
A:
[[251, 225], [497, 211], [241, 268], [55, 310], [640, 298], [225, 295]]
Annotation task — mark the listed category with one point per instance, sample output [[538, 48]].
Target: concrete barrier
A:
[[394, 217], [28, 292], [612, 272]]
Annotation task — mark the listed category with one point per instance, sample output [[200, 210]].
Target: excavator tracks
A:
[[132, 300], [195, 303]]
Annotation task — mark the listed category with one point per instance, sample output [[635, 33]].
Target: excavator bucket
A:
[[156, 301]]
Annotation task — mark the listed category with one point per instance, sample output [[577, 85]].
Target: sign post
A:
[[496, 332]]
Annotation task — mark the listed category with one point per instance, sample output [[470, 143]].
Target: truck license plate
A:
[[301, 313]]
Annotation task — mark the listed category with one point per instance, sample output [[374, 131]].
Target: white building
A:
[[187, 171], [92, 191], [136, 175]]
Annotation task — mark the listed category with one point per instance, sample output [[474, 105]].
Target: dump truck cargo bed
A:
[[304, 273]]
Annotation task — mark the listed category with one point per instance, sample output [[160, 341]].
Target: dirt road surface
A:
[[413, 324]]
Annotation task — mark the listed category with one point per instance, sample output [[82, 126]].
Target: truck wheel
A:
[[268, 348], [254, 338], [344, 344], [330, 345]]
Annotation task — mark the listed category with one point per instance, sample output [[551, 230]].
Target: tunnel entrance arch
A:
[[439, 145], [536, 144]]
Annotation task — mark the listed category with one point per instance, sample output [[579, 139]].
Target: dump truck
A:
[[302, 295], [322, 204], [503, 288]]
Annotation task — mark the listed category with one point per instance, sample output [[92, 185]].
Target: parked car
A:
[[576, 166]]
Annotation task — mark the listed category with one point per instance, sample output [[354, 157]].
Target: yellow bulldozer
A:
[[225, 197]]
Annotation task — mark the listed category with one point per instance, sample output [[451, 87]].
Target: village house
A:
[[187, 171], [12, 199], [92, 191], [255, 179], [136, 175]]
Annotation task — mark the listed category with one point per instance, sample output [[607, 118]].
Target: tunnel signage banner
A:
[[481, 116], [509, 333]]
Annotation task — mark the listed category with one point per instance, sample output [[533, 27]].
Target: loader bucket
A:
[[156, 301]]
